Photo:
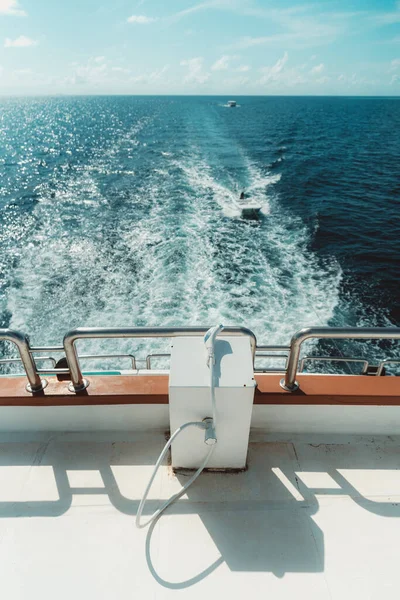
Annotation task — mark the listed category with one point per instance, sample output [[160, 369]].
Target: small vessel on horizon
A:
[[231, 103]]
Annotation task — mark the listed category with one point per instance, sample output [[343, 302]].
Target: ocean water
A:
[[122, 211]]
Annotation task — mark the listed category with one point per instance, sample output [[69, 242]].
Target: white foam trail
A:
[[200, 179], [259, 184], [179, 261], [280, 283]]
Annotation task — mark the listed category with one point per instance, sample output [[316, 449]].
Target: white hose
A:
[[209, 340], [185, 487]]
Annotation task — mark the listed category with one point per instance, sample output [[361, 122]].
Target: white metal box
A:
[[190, 400]]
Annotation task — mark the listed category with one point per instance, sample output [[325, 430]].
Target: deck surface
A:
[[310, 518]]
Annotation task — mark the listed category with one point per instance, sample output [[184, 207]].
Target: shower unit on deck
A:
[[189, 400]]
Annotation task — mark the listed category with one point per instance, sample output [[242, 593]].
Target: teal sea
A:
[[118, 211]]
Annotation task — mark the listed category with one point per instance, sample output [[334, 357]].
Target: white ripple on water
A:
[[201, 180]]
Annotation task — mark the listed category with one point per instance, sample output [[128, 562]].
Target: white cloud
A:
[[354, 79], [393, 40], [394, 79], [11, 7], [140, 19], [249, 42], [20, 42], [23, 71], [95, 71], [243, 69], [203, 6], [387, 18], [296, 39], [120, 70], [299, 26], [323, 79], [195, 70], [156, 76], [280, 75], [292, 77], [236, 82], [272, 73], [304, 31], [395, 64], [98, 73], [317, 69], [222, 63], [248, 8]]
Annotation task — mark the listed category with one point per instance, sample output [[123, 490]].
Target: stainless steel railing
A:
[[150, 357], [289, 382], [290, 354], [78, 383], [35, 383], [383, 363]]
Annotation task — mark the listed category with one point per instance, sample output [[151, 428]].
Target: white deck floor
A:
[[306, 520]]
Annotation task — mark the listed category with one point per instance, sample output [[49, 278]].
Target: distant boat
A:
[[250, 209], [231, 103]]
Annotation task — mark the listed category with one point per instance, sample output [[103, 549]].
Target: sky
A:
[[224, 47]]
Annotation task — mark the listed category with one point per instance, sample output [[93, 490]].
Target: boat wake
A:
[[171, 255]]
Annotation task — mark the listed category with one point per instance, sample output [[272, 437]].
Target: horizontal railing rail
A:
[[150, 357], [364, 362], [108, 356], [289, 382], [46, 349], [78, 383], [260, 349], [267, 352], [14, 359], [387, 361]]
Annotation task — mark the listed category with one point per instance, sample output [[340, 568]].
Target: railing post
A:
[[289, 382], [78, 383], [36, 384]]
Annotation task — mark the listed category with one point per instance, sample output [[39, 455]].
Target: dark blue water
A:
[[123, 211]]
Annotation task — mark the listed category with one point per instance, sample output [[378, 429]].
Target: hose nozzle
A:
[[210, 437], [209, 341]]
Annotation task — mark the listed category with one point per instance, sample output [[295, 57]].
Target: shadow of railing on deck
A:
[[258, 520]]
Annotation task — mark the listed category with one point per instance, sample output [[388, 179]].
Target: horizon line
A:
[[107, 94]]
